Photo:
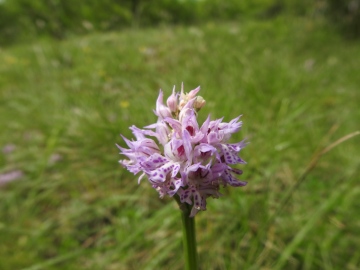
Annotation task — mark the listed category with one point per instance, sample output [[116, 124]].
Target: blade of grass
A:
[[299, 237], [314, 161], [56, 260]]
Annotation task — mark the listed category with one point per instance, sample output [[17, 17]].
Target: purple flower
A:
[[181, 158], [10, 176]]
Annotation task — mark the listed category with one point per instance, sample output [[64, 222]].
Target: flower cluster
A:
[[188, 160]]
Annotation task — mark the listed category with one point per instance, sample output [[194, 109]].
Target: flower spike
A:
[[189, 161]]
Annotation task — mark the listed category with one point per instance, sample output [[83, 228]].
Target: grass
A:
[[63, 105]]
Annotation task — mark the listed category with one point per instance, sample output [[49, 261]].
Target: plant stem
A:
[[189, 236]]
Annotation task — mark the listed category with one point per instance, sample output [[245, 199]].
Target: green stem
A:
[[189, 236]]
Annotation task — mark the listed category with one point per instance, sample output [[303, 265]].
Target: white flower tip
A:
[[199, 103]]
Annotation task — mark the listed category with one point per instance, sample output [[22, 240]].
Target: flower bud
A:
[[172, 101], [161, 110], [199, 103]]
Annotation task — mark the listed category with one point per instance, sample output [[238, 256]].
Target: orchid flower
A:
[[181, 158]]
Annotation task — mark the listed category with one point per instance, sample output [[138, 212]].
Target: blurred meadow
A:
[[291, 71]]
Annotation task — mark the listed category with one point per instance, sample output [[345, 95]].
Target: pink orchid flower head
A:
[[181, 158]]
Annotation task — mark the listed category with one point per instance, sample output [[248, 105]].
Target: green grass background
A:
[[296, 83]]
